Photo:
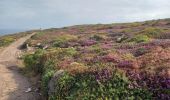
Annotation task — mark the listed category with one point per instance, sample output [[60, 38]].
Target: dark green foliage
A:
[[45, 79], [32, 61], [86, 87]]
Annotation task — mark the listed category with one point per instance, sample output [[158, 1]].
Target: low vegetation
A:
[[8, 39], [88, 63]]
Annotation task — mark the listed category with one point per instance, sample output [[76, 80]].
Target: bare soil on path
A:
[[12, 83]]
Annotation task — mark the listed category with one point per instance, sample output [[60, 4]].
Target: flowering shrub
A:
[[159, 86]]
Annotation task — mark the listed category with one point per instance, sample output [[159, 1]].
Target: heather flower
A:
[[88, 42], [111, 58], [103, 75], [128, 64]]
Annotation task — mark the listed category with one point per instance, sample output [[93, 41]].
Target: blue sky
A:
[[32, 14]]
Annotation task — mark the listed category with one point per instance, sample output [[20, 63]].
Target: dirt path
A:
[[12, 84]]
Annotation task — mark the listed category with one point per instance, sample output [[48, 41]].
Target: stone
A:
[[28, 90]]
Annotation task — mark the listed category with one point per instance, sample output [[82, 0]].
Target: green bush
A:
[[152, 32], [45, 79], [37, 35], [139, 38], [6, 41], [37, 62], [85, 86], [33, 61], [62, 41]]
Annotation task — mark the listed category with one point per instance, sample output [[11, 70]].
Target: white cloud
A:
[[56, 13]]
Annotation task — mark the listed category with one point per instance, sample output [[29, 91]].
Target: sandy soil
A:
[[13, 84]]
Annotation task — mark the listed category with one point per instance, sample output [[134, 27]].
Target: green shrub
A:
[[33, 61], [37, 62], [45, 79], [62, 41], [152, 32], [37, 35], [70, 52], [85, 86], [139, 38], [6, 41]]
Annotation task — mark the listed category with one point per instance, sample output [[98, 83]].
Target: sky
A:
[[35, 14]]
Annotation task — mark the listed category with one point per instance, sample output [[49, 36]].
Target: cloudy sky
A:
[[32, 14]]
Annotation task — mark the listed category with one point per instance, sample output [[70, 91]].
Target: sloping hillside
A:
[[103, 62]]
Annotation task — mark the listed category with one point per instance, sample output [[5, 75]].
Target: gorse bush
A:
[[139, 38]]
